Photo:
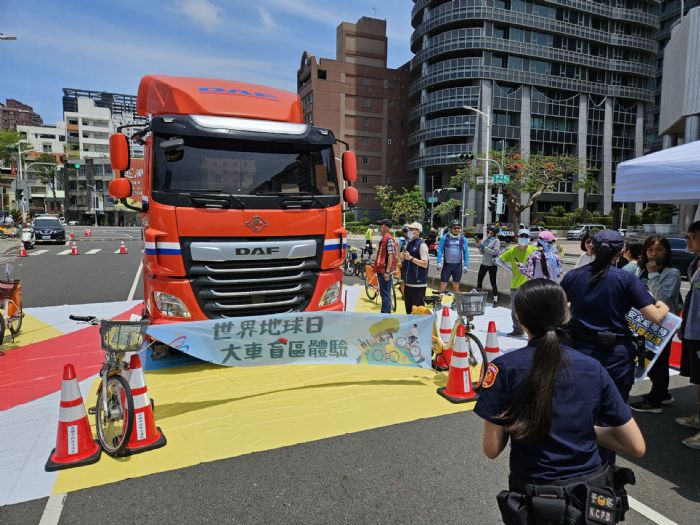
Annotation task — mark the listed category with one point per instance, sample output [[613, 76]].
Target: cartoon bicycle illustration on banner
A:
[[387, 346]]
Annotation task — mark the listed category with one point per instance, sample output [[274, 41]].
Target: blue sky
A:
[[109, 45]]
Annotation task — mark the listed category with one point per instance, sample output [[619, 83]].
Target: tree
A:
[[7, 149], [406, 206], [47, 174], [589, 185], [535, 176], [448, 208]]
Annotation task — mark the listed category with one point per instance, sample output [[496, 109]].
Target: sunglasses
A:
[[523, 236], [456, 227]]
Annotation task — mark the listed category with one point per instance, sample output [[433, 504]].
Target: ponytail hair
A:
[[604, 254], [541, 307]]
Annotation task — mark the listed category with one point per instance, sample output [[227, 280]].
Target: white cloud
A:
[[202, 12], [266, 18]]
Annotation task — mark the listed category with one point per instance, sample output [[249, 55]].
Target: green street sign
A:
[[501, 178]]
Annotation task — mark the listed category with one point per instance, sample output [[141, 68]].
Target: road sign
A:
[[501, 178], [480, 180], [432, 200], [500, 205]]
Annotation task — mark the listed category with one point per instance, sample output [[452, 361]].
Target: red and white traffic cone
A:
[[459, 382], [442, 361], [74, 249], [492, 349], [145, 435], [72, 236], [122, 249], [75, 445], [22, 249]]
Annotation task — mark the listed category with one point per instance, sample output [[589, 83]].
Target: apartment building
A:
[[364, 103], [556, 77], [13, 113]]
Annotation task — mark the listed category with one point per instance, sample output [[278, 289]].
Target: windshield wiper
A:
[[289, 203], [212, 197]]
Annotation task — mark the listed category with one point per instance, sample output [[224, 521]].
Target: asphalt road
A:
[[427, 470]]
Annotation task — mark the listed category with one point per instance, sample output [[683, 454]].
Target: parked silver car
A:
[[579, 232]]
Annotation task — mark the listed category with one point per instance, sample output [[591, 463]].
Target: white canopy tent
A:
[[670, 175]]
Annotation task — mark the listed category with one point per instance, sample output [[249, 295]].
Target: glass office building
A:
[[556, 77]]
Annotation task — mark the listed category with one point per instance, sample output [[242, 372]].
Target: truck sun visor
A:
[[239, 124]]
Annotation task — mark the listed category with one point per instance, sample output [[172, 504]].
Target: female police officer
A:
[[547, 398], [600, 295]]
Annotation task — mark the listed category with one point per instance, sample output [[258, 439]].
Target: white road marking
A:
[[53, 509], [93, 251], [64, 252], [649, 512], [38, 252], [135, 283]]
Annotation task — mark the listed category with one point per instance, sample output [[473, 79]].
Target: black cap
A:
[[385, 222], [492, 229], [610, 237]]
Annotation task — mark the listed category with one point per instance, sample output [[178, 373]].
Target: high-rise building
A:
[[364, 103], [669, 16], [122, 109], [14, 113], [555, 76]]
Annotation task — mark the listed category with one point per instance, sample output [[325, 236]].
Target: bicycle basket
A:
[[8, 289], [470, 304], [122, 336]]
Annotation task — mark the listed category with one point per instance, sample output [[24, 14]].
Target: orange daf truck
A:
[[241, 202]]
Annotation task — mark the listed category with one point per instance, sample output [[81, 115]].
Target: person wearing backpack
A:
[[452, 256], [385, 263]]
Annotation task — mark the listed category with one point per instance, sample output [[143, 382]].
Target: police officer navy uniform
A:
[[547, 399], [600, 296]]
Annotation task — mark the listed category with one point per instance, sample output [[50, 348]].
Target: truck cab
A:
[[241, 200]]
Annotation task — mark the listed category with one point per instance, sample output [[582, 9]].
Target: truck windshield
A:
[[236, 167]]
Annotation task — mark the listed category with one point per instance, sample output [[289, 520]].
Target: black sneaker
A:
[[516, 333], [644, 406], [668, 400]]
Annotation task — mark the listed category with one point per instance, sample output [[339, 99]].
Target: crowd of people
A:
[[563, 400]]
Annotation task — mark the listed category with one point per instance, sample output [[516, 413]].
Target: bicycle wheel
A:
[[14, 322], [476, 349], [114, 426], [393, 298]]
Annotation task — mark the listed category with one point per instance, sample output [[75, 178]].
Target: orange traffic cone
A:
[[74, 443], [459, 382], [492, 349], [145, 435], [74, 249], [22, 249], [122, 249]]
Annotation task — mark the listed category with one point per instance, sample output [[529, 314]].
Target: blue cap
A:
[[610, 237]]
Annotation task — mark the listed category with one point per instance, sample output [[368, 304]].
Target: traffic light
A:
[[76, 165], [492, 202], [465, 157]]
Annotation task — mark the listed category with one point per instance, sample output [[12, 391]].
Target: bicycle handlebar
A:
[[83, 318]]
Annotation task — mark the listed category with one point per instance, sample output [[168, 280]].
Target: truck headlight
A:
[[170, 306], [331, 295]]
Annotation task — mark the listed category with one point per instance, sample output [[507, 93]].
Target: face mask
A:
[[523, 241], [411, 235]]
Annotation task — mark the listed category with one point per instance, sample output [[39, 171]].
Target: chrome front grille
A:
[[237, 288]]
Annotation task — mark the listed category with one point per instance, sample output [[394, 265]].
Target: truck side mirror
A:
[[349, 166], [119, 152], [350, 195], [120, 188]]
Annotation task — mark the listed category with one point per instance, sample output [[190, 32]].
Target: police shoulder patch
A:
[[490, 376]]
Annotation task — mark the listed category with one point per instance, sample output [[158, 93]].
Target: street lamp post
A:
[[487, 120]]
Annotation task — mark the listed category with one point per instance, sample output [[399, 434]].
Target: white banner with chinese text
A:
[[304, 338], [656, 337]]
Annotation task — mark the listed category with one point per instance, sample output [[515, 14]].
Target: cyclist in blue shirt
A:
[[453, 251], [549, 400]]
